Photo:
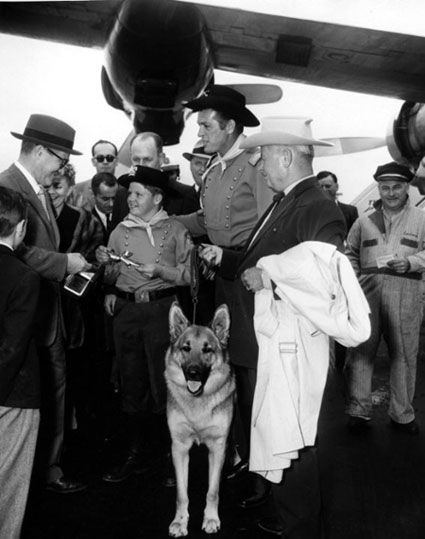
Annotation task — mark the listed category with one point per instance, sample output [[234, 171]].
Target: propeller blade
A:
[[124, 151], [345, 145], [259, 94]]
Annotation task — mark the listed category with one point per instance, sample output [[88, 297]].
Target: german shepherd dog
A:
[[201, 393]]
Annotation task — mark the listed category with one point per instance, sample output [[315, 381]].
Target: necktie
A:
[[42, 198], [278, 197], [109, 226]]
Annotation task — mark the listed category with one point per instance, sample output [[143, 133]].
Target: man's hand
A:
[[149, 270], [399, 264], [110, 300], [102, 255], [76, 263], [252, 279], [211, 254]]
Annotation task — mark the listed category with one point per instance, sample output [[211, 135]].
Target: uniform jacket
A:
[[319, 296], [19, 369], [232, 201], [171, 251], [368, 240], [305, 214], [40, 253]]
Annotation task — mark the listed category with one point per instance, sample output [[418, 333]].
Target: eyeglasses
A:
[[101, 158], [63, 160]]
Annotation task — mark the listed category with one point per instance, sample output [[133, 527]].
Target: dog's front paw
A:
[[211, 525], [178, 528]]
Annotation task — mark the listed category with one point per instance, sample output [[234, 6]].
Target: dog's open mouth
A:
[[195, 379], [194, 387]]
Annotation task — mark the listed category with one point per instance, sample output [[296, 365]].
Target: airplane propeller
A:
[[259, 94], [346, 145]]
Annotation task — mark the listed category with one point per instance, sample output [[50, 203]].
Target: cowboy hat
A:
[[285, 131], [226, 100], [148, 176], [50, 132], [198, 151]]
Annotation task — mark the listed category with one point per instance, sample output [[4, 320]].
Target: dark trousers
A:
[[141, 336], [297, 498]]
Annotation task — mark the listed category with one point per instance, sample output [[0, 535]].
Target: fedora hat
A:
[[148, 176], [226, 100], [50, 132], [198, 151], [393, 171], [285, 131]]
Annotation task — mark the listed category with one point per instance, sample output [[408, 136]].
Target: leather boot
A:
[[261, 494], [129, 466], [133, 462]]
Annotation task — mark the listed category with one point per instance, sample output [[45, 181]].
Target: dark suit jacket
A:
[[19, 370], [305, 214], [40, 253], [106, 232], [350, 214]]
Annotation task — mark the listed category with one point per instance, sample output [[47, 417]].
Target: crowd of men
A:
[[253, 197]]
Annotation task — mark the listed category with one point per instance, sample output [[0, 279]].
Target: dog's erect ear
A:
[[221, 324], [177, 321]]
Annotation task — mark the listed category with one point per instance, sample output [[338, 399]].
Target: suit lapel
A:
[[34, 201], [285, 205], [277, 213]]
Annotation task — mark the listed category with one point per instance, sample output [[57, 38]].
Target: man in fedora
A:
[[300, 212], [46, 145], [386, 249], [233, 197], [139, 301]]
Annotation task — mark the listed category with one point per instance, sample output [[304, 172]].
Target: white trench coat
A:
[[319, 297]]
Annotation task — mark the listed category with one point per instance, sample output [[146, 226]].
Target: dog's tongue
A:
[[193, 386]]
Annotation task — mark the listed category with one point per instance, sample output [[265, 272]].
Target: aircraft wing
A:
[[318, 53]]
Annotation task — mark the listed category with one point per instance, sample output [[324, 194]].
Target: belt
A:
[[145, 296], [387, 271]]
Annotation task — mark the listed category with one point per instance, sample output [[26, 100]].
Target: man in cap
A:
[[300, 212], [386, 249], [139, 301], [46, 145], [198, 162]]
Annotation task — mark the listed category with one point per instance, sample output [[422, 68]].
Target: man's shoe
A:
[[357, 425], [65, 486], [411, 428], [255, 500], [122, 471], [271, 525], [238, 470]]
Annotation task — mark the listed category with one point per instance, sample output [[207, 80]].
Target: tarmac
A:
[[373, 485]]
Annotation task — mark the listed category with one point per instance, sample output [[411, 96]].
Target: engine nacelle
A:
[[406, 140], [157, 57]]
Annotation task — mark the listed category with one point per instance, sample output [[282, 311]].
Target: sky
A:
[[64, 81]]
